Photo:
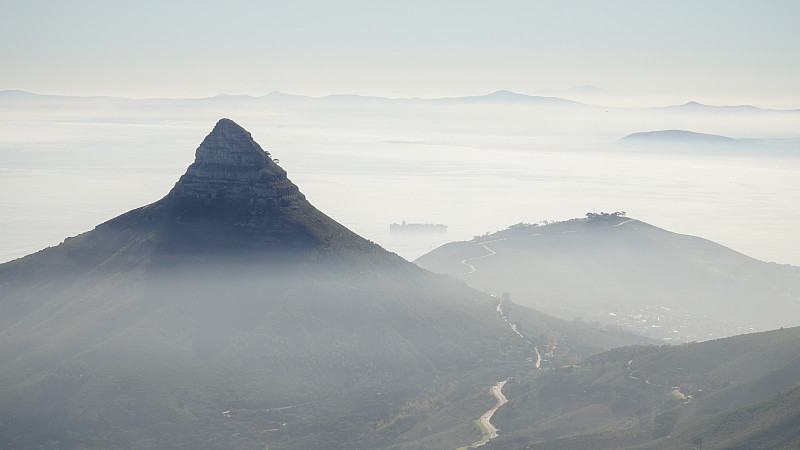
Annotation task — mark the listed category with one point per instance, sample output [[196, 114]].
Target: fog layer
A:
[[476, 165]]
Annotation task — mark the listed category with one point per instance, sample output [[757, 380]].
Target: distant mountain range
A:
[[511, 97], [618, 270], [502, 96], [696, 106]]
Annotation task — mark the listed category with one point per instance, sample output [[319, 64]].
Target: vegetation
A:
[[727, 393]]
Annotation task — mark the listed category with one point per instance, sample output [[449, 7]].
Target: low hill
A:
[[693, 105], [676, 137], [617, 270]]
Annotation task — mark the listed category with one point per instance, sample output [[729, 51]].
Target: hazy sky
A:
[[711, 51]]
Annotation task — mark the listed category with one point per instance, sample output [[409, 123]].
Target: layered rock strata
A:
[[230, 166]]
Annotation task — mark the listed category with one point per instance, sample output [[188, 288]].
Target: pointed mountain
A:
[[233, 314], [231, 168], [234, 200]]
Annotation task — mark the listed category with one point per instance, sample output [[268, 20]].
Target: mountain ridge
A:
[[498, 96]]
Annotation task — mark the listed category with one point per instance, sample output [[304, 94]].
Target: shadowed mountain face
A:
[[233, 314], [234, 199], [614, 269]]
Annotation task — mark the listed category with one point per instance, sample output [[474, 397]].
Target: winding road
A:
[[491, 431], [497, 389], [514, 329], [472, 268]]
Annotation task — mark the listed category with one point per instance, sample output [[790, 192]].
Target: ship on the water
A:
[[417, 228]]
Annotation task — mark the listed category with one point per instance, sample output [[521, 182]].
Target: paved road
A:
[[486, 417]]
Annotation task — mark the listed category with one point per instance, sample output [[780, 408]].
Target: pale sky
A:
[[720, 51]]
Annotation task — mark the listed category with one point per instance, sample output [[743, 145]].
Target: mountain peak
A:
[[230, 144], [230, 165], [234, 198]]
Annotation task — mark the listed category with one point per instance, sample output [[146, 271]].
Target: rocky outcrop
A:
[[230, 166], [234, 200]]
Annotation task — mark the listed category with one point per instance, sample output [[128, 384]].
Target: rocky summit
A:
[[230, 166], [233, 199]]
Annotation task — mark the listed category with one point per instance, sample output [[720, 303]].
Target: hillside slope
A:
[[737, 392], [617, 270]]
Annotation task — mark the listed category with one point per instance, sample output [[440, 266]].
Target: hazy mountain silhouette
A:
[[232, 313], [688, 142], [614, 269], [550, 98], [700, 107], [677, 136], [504, 96], [17, 94]]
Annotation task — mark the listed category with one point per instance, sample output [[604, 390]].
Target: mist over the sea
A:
[[476, 165]]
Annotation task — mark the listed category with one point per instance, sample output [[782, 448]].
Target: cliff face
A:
[[230, 166]]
